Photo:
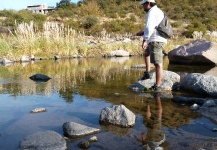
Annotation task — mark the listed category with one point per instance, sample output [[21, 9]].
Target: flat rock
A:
[[72, 129], [196, 52], [168, 81], [37, 110]]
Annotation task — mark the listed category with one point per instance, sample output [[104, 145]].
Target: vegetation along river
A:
[[80, 89]]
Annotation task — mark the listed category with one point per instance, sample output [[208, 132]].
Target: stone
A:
[[39, 77], [199, 83], [127, 40], [168, 81], [48, 140], [6, 61], [119, 53], [194, 107], [37, 110], [84, 144], [24, 58], [210, 113], [93, 139], [196, 52], [189, 100], [72, 129], [56, 57], [209, 103], [117, 115]]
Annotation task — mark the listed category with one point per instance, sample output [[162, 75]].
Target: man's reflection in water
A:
[[154, 138]]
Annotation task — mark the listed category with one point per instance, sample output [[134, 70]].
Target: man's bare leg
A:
[[159, 73], [147, 63]]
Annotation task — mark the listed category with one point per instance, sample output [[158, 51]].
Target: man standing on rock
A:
[[153, 43]]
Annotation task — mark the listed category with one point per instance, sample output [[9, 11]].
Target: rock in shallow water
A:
[[72, 129], [37, 110], [117, 115], [39, 77], [47, 140]]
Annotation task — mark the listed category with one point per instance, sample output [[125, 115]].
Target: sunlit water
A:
[[80, 89]]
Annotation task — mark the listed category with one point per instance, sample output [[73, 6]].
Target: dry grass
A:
[[56, 39]]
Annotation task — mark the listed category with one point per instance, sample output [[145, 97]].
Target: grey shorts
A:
[[155, 50]]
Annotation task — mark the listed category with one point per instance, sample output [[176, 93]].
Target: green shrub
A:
[[176, 24], [72, 24], [89, 22]]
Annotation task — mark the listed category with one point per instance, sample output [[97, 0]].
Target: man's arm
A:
[[140, 33], [144, 44]]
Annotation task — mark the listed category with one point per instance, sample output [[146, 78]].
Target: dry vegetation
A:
[[77, 29]]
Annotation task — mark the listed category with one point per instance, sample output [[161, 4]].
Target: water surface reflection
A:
[[79, 90]]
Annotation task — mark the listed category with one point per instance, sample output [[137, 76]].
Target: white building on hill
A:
[[40, 9]]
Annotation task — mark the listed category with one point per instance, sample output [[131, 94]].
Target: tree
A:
[[64, 4]]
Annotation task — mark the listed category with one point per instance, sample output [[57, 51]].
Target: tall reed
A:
[[56, 39]]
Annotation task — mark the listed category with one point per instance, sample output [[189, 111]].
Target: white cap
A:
[[144, 1]]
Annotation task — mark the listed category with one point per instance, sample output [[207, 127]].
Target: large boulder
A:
[[117, 115], [200, 83], [48, 140], [168, 81], [196, 52], [212, 72]]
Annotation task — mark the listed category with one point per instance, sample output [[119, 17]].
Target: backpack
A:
[[164, 28]]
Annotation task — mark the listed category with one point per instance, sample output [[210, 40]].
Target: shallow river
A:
[[80, 89]]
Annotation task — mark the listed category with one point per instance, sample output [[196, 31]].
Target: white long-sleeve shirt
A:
[[153, 18]]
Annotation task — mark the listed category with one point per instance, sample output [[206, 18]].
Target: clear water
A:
[[80, 89]]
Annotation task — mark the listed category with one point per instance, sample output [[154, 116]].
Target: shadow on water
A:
[[80, 89]]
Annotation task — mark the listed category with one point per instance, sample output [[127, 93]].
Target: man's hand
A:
[[140, 33], [144, 45]]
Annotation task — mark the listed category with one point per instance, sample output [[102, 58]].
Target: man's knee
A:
[[146, 55], [158, 65]]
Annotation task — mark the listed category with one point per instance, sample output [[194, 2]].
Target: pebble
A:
[[84, 144], [36, 110], [93, 139], [214, 129]]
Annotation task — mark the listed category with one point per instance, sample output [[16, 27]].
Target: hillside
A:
[[120, 16]]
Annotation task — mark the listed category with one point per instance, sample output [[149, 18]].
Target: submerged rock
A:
[[48, 140], [84, 144]]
